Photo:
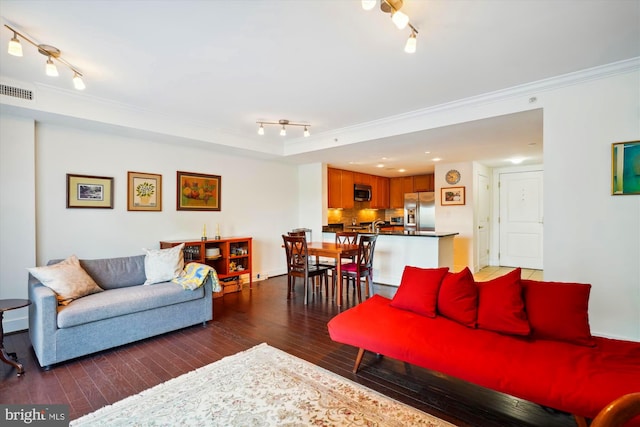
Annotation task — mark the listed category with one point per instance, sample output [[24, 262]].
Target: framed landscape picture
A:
[[198, 192], [452, 196], [144, 191], [87, 191], [625, 168]]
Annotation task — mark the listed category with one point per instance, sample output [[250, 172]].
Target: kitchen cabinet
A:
[[362, 178], [423, 183], [229, 256], [379, 192], [396, 195], [340, 188]]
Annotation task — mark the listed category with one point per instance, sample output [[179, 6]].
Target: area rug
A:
[[262, 386]]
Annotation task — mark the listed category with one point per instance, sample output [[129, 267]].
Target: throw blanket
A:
[[195, 275]]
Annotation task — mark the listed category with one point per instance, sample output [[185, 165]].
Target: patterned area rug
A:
[[262, 386]]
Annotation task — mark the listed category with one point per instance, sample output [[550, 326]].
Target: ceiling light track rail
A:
[[284, 123], [52, 53], [399, 18]]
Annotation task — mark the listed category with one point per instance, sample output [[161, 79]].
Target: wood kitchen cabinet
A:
[[340, 188], [229, 256], [362, 178], [379, 192], [423, 183]]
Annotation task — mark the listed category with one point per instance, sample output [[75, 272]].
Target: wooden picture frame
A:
[[450, 196], [625, 168], [198, 192], [88, 191], [144, 192]]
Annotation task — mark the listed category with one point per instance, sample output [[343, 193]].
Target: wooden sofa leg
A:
[[358, 360], [580, 421]]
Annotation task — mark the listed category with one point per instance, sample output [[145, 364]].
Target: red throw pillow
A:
[[458, 298], [558, 311], [500, 305], [418, 290]]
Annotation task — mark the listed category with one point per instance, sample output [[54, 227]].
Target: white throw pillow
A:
[[162, 265], [67, 279]]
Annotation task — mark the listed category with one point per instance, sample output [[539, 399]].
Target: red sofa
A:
[[529, 339]]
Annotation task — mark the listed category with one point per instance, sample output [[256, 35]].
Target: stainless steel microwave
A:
[[361, 193]]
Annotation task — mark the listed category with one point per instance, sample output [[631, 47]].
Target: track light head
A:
[[15, 48]]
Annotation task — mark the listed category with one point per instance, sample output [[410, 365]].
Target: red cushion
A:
[[558, 311], [458, 298], [352, 266], [500, 305], [418, 290]]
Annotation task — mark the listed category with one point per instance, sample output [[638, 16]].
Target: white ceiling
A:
[[226, 64]]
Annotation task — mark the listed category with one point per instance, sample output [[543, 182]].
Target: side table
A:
[[10, 358]]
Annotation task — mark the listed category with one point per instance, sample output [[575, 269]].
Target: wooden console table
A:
[[232, 258]]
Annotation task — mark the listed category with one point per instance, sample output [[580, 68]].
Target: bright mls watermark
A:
[[34, 415]]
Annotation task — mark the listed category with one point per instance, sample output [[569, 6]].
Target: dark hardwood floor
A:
[[242, 320]]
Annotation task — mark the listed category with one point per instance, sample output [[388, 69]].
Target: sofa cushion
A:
[[161, 265], [500, 305], [112, 273], [458, 298], [67, 279], [117, 302], [558, 311], [418, 290]]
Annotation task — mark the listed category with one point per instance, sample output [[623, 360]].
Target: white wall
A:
[[589, 235], [458, 218], [256, 199], [17, 213]]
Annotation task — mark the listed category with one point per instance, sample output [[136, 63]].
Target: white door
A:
[[483, 221], [521, 220]]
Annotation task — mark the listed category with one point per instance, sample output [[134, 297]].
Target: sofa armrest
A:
[[43, 322]]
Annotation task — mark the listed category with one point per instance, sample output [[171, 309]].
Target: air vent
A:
[[16, 92]]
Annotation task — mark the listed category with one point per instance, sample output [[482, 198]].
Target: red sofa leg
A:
[[358, 360]]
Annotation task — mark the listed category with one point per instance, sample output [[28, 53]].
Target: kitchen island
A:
[[396, 249]]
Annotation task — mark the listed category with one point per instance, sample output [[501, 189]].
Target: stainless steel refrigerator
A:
[[420, 211]]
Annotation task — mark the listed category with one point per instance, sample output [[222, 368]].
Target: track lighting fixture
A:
[[399, 18], [52, 54], [283, 123], [15, 48]]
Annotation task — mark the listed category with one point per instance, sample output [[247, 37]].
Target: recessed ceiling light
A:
[[379, 165], [427, 152], [516, 160], [402, 170], [436, 159]]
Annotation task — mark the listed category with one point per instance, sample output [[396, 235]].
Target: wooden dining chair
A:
[[342, 237], [298, 265], [363, 265]]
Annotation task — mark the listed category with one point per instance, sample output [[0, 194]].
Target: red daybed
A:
[[548, 357]]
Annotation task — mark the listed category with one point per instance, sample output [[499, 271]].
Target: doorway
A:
[[520, 220]]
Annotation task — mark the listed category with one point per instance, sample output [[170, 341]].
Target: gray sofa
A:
[[126, 311]]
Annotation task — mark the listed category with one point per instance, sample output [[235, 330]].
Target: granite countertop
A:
[[413, 233]]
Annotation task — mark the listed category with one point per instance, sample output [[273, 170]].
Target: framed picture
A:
[[625, 168], [144, 191], [198, 192], [451, 196], [86, 191]]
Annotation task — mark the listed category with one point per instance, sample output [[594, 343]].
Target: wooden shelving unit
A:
[[230, 256]]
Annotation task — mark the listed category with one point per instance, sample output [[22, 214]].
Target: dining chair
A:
[[363, 265], [298, 265], [342, 237]]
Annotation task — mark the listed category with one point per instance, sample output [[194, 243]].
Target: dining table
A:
[[337, 251]]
